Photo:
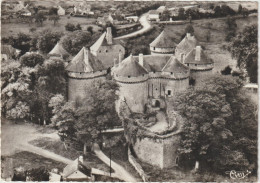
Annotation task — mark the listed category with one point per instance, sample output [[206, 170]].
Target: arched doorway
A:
[[157, 103]]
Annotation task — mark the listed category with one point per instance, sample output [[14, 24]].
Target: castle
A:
[[146, 81]]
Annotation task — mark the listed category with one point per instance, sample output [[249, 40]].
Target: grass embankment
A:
[[119, 155], [58, 147], [29, 160], [175, 175]]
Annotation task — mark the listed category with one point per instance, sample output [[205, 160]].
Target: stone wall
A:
[[107, 54], [137, 166], [200, 75], [158, 152], [160, 51], [77, 86], [135, 94]]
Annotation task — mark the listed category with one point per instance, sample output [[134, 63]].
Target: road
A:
[[146, 26], [119, 170], [16, 137]]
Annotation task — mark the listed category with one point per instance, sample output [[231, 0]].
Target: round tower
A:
[[82, 70], [176, 76], [163, 44], [132, 79], [199, 63]]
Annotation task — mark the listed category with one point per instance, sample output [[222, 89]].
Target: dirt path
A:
[[119, 170], [16, 137]]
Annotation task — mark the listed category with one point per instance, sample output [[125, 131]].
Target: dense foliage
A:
[[244, 48], [220, 130], [28, 85], [84, 120]]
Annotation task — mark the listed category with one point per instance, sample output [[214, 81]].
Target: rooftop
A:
[[164, 40], [84, 61], [197, 56]]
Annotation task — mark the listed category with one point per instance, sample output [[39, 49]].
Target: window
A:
[[169, 92], [177, 160], [171, 72], [195, 64], [119, 50], [106, 51], [188, 64], [153, 48], [99, 51], [129, 76]]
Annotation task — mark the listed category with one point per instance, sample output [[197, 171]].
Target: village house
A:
[[61, 11], [77, 171], [153, 15], [132, 18], [8, 52]]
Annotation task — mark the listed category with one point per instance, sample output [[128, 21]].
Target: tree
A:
[[245, 12], [189, 29], [239, 11], [69, 27], [38, 174], [95, 113], [226, 71], [78, 27], [47, 39], [21, 41], [40, 18], [90, 30], [74, 41], [181, 13], [49, 81], [214, 124], [53, 11], [244, 49], [54, 18], [31, 60]]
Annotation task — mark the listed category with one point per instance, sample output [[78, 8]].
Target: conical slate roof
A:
[[204, 59], [164, 40], [58, 50], [175, 66], [129, 67], [98, 43], [187, 44], [84, 61]]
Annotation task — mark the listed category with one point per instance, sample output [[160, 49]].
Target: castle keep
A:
[[146, 83], [155, 77]]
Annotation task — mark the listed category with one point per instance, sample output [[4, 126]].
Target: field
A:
[[29, 160], [8, 29]]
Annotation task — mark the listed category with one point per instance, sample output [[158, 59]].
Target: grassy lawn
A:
[[29, 160], [119, 155], [14, 27], [57, 147]]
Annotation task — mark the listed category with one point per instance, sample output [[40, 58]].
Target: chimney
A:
[[141, 59], [109, 35], [182, 58], [80, 159], [188, 35], [120, 58], [198, 53], [86, 55], [115, 62]]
